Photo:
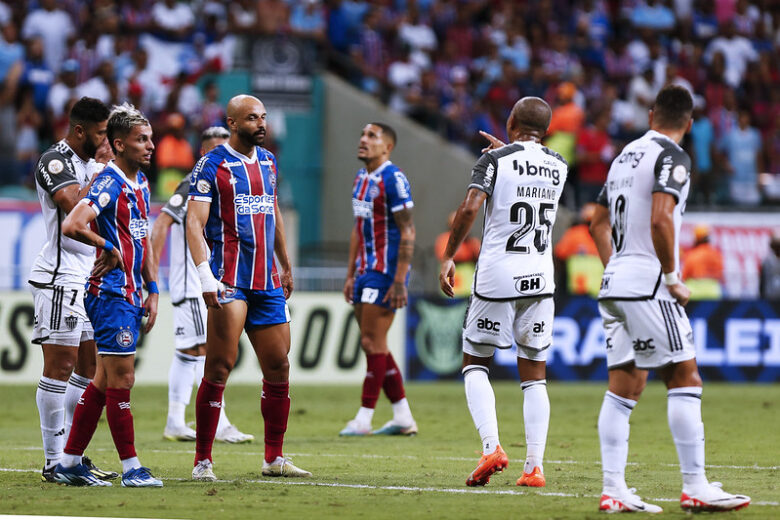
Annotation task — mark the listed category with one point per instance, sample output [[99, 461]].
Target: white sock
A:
[[200, 366], [482, 405], [536, 415], [684, 414], [181, 377], [613, 436], [76, 386], [223, 420], [365, 415], [131, 463], [50, 398], [68, 461], [402, 414]]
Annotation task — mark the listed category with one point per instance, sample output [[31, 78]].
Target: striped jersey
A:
[[241, 227], [122, 209], [375, 197]]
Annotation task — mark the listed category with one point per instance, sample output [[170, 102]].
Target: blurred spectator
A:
[[54, 27], [742, 153], [174, 156], [594, 155], [770, 270], [702, 269], [37, 74], [567, 120], [403, 75], [11, 50], [28, 123], [185, 98], [102, 86], [370, 54], [641, 96], [63, 90], [172, 20], [652, 15], [465, 258], [702, 152], [737, 50], [307, 20], [8, 92], [212, 113], [136, 16], [576, 257]]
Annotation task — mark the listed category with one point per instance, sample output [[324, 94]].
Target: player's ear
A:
[[650, 118], [690, 125]]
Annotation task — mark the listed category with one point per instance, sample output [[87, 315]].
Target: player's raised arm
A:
[[197, 215], [76, 226], [280, 249], [397, 294], [461, 225]]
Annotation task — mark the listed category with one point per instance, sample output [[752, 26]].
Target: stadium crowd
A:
[[455, 66]]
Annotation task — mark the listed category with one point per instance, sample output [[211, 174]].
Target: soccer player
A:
[[189, 310], [636, 227], [63, 177], [233, 198], [380, 252], [113, 217], [520, 184]]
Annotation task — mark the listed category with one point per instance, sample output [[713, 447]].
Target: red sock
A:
[[207, 406], [120, 421], [275, 407], [375, 376], [85, 420], [394, 383]]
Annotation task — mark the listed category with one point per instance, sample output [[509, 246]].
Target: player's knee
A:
[[277, 368], [371, 345], [60, 368], [218, 370], [124, 381]]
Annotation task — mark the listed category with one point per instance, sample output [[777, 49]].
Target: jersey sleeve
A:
[[54, 172], [672, 171], [176, 206], [601, 198], [483, 175], [399, 192], [103, 193], [203, 178]]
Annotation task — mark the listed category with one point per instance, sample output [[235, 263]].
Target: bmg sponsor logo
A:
[[254, 204], [530, 284], [488, 325], [535, 170]]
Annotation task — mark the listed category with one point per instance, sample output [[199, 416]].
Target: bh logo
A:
[[124, 338], [531, 284], [487, 325]]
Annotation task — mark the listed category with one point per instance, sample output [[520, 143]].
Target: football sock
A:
[[50, 397], [393, 384], [181, 378], [223, 420], [275, 407], [613, 438], [536, 415], [207, 406], [375, 376], [85, 421], [76, 386], [401, 412], [120, 421], [684, 414], [482, 405], [131, 463], [365, 415]]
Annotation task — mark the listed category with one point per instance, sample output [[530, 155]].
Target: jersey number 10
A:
[[524, 214]]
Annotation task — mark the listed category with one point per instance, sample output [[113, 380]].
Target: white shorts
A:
[[189, 323], [651, 333], [495, 324], [60, 318]]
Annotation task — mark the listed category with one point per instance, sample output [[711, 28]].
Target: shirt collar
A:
[[116, 168], [240, 155], [378, 171]]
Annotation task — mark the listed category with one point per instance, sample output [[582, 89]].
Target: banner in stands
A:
[[325, 343], [735, 341]]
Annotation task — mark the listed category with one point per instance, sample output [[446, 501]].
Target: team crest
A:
[[203, 186], [71, 322], [272, 180], [176, 200], [124, 338], [680, 173], [55, 166], [103, 199], [373, 191]]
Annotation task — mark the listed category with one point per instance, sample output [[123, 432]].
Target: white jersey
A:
[[183, 280], [652, 163], [62, 261], [524, 181]]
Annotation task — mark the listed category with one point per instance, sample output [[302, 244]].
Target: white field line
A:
[[454, 491], [414, 457]]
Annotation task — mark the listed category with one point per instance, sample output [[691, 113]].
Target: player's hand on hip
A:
[[349, 289], [494, 141], [396, 296], [108, 261], [680, 292], [211, 300], [286, 279], [150, 311], [447, 277]]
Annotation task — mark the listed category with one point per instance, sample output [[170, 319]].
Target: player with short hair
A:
[[520, 184], [233, 200], [113, 217], [189, 310], [380, 253], [62, 328], [636, 227]]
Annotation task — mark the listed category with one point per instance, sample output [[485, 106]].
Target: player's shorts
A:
[[117, 323], [189, 323], [651, 333], [60, 318], [496, 324], [371, 287], [263, 307]]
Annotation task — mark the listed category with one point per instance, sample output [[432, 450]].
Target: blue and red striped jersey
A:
[[122, 208], [375, 197], [241, 227]]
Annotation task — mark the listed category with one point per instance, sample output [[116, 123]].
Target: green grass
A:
[[420, 477]]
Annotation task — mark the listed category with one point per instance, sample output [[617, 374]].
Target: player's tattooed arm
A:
[[461, 225], [397, 295], [280, 248], [349, 283], [601, 231]]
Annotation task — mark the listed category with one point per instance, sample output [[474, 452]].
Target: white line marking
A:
[[457, 491]]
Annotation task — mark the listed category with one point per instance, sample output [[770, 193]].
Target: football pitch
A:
[[418, 477]]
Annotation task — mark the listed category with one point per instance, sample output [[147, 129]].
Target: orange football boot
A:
[[533, 479], [488, 464]]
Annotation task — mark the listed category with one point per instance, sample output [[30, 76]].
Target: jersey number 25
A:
[[524, 214]]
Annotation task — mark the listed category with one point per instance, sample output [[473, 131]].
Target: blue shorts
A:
[[116, 321], [371, 287], [263, 307]]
